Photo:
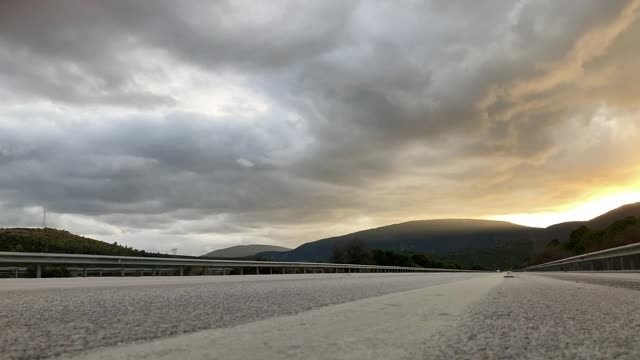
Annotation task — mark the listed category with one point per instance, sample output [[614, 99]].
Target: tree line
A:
[[59, 241], [356, 251], [585, 240]]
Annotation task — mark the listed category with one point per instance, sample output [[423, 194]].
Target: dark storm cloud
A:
[[152, 166], [367, 104], [99, 47]]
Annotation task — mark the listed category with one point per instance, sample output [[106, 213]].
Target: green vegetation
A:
[[48, 271], [554, 250], [356, 252], [243, 251], [585, 240], [410, 259], [503, 255], [60, 241]]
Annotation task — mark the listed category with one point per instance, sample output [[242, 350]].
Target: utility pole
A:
[[44, 218], [174, 251]]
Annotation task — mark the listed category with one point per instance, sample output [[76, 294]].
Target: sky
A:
[[199, 125]]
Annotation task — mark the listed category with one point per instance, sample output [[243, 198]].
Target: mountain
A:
[[612, 216], [492, 244], [472, 242], [587, 239], [241, 251], [618, 227], [563, 230]]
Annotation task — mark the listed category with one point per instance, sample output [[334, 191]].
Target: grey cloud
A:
[[373, 109], [368, 103], [153, 167], [100, 47]]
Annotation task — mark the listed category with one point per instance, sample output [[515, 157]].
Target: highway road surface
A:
[[324, 316]]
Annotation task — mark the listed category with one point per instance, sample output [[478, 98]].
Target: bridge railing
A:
[[87, 264], [619, 258]]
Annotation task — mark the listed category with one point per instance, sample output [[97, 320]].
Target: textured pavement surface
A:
[[392, 326], [534, 316], [48, 317], [375, 316]]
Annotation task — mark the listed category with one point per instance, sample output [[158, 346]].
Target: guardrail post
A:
[[271, 270], [241, 270], [284, 270], [257, 270], [122, 271], [84, 270], [100, 272], [204, 270], [16, 272], [38, 271], [181, 271], [153, 271]]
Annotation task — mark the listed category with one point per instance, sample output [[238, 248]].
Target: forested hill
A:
[[241, 251], [60, 241], [491, 244], [585, 240]]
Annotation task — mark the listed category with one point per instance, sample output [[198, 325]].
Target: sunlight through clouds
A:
[[576, 212], [296, 120]]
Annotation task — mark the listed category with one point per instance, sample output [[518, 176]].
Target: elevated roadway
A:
[[332, 316]]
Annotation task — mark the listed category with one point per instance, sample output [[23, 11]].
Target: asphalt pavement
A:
[[548, 316], [43, 318], [373, 316]]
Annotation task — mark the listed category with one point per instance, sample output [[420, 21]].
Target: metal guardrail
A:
[[619, 258], [123, 262], [21, 271], [12, 271]]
